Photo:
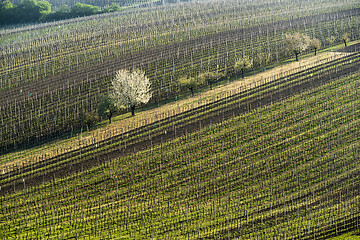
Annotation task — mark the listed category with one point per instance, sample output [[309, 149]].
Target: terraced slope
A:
[[286, 170]]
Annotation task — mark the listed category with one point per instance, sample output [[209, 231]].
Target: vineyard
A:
[[272, 154], [125, 3], [283, 170], [125, 138], [52, 74]]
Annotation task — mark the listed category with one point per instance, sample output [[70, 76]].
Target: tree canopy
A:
[[130, 89], [210, 78], [315, 44], [44, 9], [7, 12], [296, 43], [25, 11], [190, 83], [112, 8], [345, 38], [243, 64], [28, 11], [107, 107], [81, 9]]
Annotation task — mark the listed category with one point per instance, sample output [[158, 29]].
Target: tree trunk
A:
[[296, 56], [315, 51], [242, 73], [345, 42], [192, 91], [109, 116], [132, 110]]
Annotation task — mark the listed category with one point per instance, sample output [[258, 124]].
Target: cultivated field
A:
[[273, 155], [19, 160], [288, 169], [52, 75]]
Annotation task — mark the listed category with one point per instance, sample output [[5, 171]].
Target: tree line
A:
[[132, 88], [29, 11]]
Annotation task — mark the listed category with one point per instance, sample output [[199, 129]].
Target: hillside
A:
[[267, 147], [53, 74], [287, 169]]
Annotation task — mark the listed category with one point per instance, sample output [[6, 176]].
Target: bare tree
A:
[[130, 89], [243, 64], [315, 44], [297, 43]]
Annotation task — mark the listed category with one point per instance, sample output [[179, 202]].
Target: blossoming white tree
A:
[[130, 89]]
